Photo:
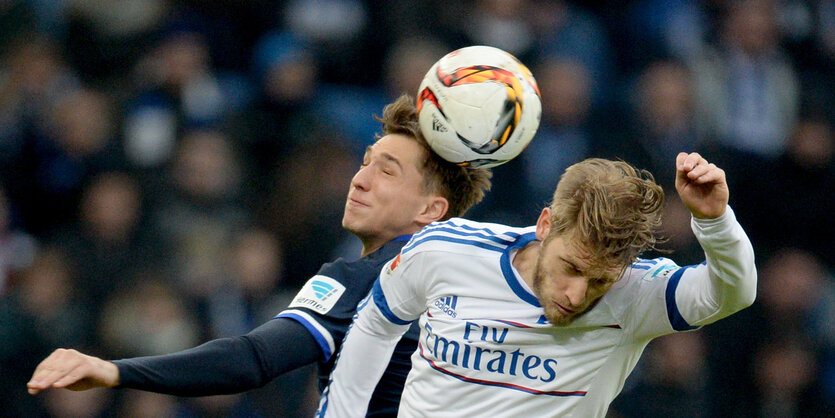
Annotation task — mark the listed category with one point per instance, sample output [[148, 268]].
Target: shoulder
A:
[[362, 270], [643, 280], [463, 235], [643, 274], [651, 269], [340, 285], [356, 276], [343, 270]]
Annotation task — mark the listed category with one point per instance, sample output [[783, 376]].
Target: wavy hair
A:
[[611, 207]]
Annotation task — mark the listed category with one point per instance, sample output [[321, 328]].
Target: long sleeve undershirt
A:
[[225, 365]]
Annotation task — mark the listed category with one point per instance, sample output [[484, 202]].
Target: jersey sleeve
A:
[[394, 302], [726, 282], [266, 352], [328, 301], [400, 293], [681, 298]]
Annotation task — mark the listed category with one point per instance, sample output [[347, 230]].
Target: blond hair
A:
[[462, 187], [613, 209]]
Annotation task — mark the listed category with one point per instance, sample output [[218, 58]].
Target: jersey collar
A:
[[513, 280]]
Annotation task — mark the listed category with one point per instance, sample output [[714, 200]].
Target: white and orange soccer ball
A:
[[479, 106]]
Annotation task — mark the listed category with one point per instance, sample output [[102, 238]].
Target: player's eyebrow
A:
[[388, 157], [571, 263], [588, 270]]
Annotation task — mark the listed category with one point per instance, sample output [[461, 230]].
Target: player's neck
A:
[[369, 247], [374, 243], [525, 261]]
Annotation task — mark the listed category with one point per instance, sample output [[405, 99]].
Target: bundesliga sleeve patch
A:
[[319, 294], [664, 271]]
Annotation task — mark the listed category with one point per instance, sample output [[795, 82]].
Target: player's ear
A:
[[435, 210], [543, 224]]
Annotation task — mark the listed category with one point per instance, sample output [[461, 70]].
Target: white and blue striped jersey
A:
[[485, 348]]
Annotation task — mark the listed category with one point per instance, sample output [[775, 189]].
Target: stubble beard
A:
[[552, 314]]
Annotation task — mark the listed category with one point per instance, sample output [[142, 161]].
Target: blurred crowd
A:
[[173, 171]]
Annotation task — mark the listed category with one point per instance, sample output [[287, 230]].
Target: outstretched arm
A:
[[728, 281], [276, 347]]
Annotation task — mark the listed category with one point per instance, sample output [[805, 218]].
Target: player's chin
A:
[[555, 317], [350, 222], [357, 225]]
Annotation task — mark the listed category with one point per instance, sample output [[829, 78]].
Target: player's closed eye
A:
[[599, 282]]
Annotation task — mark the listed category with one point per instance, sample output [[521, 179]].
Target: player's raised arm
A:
[[727, 282]]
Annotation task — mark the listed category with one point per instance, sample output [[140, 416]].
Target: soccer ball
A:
[[478, 107]]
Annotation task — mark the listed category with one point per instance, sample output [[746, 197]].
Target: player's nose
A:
[[575, 292], [362, 178]]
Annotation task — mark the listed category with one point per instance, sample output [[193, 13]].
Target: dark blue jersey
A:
[[326, 306], [311, 329]]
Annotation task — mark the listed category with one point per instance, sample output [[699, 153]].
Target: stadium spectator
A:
[[802, 171], [661, 120], [196, 205], [747, 92], [17, 248], [110, 241], [42, 308]]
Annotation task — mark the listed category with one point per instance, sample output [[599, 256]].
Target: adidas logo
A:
[[437, 126], [447, 305], [322, 290]]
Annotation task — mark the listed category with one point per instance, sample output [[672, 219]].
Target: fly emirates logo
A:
[[494, 360]]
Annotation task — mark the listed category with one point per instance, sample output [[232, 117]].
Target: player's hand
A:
[[72, 370], [701, 185]]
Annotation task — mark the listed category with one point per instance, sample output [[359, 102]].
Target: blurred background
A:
[[173, 171]]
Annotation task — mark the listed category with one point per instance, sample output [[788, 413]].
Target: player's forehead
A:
[[396, 147], [570, 250], [562, 248]]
